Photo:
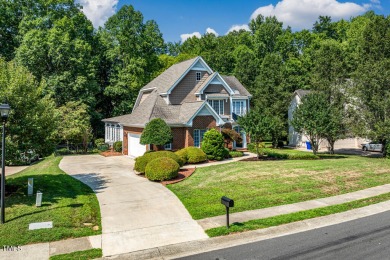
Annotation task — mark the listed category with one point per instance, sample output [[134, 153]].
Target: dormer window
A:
[[198, 76]]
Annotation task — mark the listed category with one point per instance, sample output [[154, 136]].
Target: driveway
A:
[[136, 214]]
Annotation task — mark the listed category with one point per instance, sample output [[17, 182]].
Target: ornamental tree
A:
[[156, 132], [257, 123], [213, 145]]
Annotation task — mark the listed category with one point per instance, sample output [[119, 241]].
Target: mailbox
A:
[[229, 203]]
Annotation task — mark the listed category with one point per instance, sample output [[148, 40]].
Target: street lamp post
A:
[[4, 111]]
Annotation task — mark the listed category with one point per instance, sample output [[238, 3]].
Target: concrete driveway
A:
[[136, 214]]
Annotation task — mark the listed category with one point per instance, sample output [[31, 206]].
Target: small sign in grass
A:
[[40, 225], [68, 203]]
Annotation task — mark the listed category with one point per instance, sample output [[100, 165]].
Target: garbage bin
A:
[[308, 145]]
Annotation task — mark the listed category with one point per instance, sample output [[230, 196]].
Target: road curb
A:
[[211, 244]]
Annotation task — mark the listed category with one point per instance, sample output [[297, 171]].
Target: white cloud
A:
[[238, 27], [376, 2], [210, 30], [98, 11], [301, 14], [186, 36]]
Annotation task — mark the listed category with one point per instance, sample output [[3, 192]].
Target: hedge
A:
[[162, 169], [142, 161]]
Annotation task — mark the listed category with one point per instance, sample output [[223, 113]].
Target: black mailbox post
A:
[[229, 203]]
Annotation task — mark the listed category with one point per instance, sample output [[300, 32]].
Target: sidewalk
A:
[[44, 250], [219, 221]]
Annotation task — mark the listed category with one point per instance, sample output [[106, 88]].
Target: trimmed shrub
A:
[[142, 161], [118, 146], [195, 155], [62, 151], [162, 169], [234, 154], [99, 142], [213, 145], [103, 147], [183, 154], [290, 156]]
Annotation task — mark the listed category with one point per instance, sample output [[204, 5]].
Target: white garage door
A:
[[135, 148]]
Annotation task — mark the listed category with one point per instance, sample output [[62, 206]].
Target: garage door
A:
[[135, 148]]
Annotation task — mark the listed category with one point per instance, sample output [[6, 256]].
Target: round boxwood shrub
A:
[[162, 169], [195, 155], [183, 154], [142, 161], [99, 142], [214, 146], [118, 146]]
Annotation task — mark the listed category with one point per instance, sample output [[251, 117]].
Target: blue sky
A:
[[179, 20]]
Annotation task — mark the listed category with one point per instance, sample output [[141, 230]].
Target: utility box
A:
[[38, 202], [30, 186]]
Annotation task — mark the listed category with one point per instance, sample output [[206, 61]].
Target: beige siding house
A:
[[191, 98], [299, 140]]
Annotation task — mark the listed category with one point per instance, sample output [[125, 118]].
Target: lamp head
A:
[[4, 111]]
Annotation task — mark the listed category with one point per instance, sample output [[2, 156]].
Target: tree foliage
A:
[[75, 127], [33, 119], [156, 132], [257, 123], [213, 145]]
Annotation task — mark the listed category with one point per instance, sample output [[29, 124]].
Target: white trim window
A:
[[113, 133], [168, 146], [217, 105], [239, 107], [198, 136], [198, 75]]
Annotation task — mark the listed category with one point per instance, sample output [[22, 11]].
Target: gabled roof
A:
[[167, 80], [209, 81], [155, 104], [236, 85]]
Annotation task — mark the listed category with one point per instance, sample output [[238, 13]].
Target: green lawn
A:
[[66, 201], [263, 184], [296, 216], [80, 255]]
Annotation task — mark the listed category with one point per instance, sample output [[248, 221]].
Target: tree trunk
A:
[[384, 148], [331, 146]]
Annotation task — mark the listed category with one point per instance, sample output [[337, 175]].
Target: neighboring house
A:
[[191, 98], [296, 139]]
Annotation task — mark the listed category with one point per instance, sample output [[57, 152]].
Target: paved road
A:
[[136, 214], [365, 238]]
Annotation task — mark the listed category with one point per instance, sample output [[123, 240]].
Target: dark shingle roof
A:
[[154, 106], [169, 77], [236, 85]]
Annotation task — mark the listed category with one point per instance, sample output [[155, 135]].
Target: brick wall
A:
[[179, 138], [184, 91], [126, 130], [199, 122]]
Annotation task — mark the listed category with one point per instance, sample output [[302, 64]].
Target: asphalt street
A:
[[365, 238]]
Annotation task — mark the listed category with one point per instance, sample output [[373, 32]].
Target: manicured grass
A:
[[66, 201], [80, 255], [263, 184], [297, 216]]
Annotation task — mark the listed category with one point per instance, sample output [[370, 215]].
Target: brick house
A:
[[191, 98]]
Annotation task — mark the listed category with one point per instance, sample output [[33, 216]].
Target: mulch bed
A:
[[183, 173], [110, 153]]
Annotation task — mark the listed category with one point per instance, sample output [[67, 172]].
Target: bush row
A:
[[191, 155], [142, 161]]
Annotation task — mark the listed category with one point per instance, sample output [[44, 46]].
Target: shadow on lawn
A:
[[44, 209], [54, 187]]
